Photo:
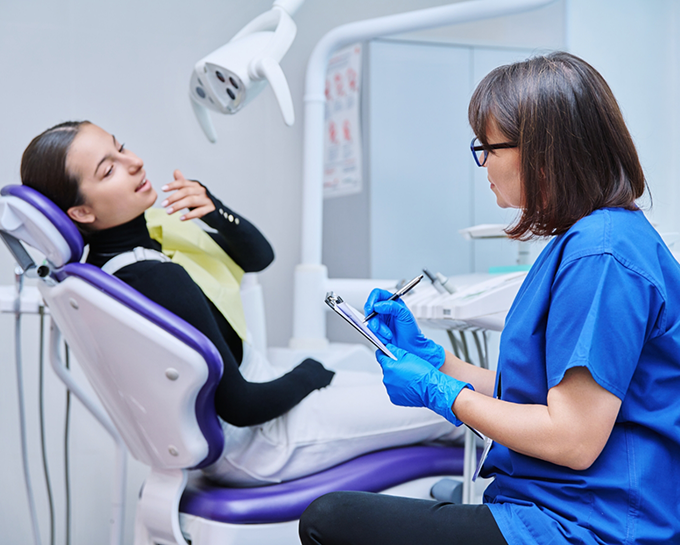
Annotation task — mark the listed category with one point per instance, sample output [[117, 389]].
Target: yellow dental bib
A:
[[218, 276]]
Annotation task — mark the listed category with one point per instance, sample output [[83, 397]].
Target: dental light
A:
[[230, 77]]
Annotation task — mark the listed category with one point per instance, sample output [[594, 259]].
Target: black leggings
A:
[[357, 518]]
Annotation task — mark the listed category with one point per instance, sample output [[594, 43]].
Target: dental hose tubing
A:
[[43, 444], [22, 430]]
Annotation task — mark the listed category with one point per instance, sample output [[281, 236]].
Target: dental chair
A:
[[155, 378]]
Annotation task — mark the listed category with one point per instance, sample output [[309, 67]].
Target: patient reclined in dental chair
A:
[[157, 388]]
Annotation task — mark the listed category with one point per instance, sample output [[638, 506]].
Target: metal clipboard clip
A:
[[354, 318]]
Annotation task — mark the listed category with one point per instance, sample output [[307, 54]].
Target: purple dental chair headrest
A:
[[65, 227]]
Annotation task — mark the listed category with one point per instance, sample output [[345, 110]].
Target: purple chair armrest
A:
[[371, 472], [205, 401]]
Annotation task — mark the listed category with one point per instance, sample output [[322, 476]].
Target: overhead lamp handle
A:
[[204, 120], [268, 68]]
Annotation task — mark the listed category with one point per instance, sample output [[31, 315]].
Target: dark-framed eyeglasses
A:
[[481, 152]]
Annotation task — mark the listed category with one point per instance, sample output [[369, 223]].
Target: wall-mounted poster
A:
[[342, 139]]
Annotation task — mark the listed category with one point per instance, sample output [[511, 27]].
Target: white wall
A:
[[126, 65], [634, 44]]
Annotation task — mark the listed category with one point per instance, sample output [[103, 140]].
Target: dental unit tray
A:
[[481, 304], [354, 318]]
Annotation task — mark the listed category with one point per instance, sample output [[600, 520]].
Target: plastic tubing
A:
[[19, 280]]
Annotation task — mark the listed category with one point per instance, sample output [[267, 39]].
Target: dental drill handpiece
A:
[[444, 281], [436, 282]]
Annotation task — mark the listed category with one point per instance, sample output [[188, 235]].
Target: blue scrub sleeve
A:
[[601, 314]]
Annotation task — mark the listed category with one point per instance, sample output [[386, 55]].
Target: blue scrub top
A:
[[605, 295]]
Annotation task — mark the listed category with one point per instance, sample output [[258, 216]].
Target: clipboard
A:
[[354, 318]]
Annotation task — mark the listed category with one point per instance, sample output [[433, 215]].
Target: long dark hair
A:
[[43, 165], [576, 153]]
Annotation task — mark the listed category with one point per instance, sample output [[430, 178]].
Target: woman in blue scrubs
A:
[[584, 409]]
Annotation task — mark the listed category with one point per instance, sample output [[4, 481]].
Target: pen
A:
[[402, 291]]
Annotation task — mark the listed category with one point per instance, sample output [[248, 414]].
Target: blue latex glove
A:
[[395, 324], [412, 382]]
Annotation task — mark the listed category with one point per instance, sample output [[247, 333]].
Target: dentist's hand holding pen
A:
[[391, 320]]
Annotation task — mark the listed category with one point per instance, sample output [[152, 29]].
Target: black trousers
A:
[[357, 518]]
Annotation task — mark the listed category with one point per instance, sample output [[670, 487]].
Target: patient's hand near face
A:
[[187, 194]]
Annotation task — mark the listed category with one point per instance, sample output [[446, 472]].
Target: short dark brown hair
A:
[[576, 153], [43, 165]]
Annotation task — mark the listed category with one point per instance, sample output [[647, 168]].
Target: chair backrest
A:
[[154, 373]]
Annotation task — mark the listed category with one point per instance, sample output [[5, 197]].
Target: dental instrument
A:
[[439, 281], [444, 282], [230, 77]]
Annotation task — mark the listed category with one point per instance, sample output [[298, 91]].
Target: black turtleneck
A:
[[237, 401]]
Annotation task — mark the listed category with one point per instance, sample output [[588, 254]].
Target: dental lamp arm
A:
[[265, 21], [289, 6], [266, 65]]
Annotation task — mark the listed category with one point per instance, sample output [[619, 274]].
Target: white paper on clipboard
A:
[[354, 318]]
